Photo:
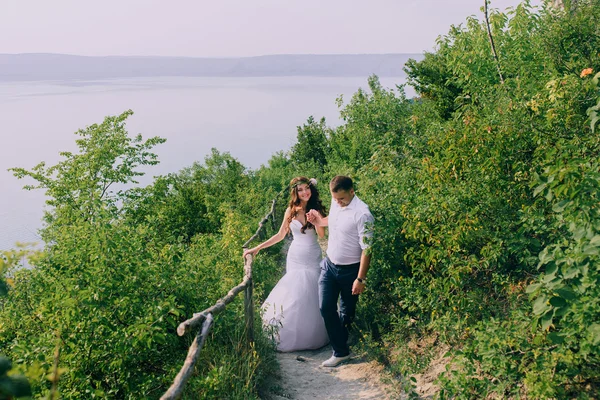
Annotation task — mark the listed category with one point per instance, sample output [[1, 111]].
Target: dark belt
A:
[[343, 265]]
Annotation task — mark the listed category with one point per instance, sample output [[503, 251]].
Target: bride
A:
[[292, 307]]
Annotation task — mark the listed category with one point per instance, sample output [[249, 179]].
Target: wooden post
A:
[[176, 389], [205, 318], [249, 301], [198, 318]]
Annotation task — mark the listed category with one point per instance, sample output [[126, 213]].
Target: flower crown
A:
[[312, 182]]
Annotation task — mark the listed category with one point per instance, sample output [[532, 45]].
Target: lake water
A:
[[251, 118]]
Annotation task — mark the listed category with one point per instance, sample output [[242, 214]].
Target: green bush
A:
[[483, 188], [122, 269], [486, 238]]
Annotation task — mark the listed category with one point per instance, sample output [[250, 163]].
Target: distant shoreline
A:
[[44, 67]]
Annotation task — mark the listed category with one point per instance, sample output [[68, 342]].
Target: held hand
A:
[[253, 251], [357, 287], [314, 217]]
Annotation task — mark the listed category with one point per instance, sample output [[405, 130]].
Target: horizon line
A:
[[205, 57]]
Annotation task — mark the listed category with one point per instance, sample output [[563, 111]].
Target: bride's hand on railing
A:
[[253, 251]]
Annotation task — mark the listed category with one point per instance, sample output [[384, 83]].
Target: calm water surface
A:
[[251, 118]]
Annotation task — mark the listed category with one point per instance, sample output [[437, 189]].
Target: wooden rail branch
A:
[[270, 214], [219, 306], [248, 266], [206, 317], [249, 300], [261, 224], [184, 374]]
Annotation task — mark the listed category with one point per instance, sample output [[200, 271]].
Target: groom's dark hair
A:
[[341, 182]]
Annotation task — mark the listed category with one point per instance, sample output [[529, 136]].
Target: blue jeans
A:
[[333, 282]]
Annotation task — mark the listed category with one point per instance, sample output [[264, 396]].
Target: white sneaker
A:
[[335, 361]]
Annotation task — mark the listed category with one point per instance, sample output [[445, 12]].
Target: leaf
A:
[[551, 269], [21, 387], [593, 119], [555, 338], [578, 232], [538, 189], [14, 386], [5, 365], [566, 293], [546, 320], [5, 385], [539, 305], [558, 302], [533, 287], [570, 273], [560, 312], [591, 250], [594, 332], [595, 240], [545, 257], [560, 206]]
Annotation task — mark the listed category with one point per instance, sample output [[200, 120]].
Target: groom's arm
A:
[[365, 263], [323, 221], [315, 218], [365, 233]]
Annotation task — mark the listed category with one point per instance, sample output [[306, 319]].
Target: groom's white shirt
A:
[[348, 229]]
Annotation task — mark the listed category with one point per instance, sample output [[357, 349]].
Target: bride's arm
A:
[[276, 238], [320, 231], [318, 220]]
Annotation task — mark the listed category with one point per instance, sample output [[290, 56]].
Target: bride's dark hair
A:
[[314, 203]]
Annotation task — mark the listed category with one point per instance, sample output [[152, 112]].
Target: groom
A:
[[344, 270]]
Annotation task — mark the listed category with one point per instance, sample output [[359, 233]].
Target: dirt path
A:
[[302, 377]]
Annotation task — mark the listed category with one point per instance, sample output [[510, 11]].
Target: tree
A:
[[80, 188], [312, 145]]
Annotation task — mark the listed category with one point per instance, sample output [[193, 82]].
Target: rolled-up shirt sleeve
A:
[[365, 229]]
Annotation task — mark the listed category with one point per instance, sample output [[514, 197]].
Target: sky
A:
[[230, 28]]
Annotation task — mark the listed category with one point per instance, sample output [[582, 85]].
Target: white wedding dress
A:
[[291, 311]]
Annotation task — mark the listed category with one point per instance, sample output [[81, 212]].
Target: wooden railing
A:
[[205, 318]]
